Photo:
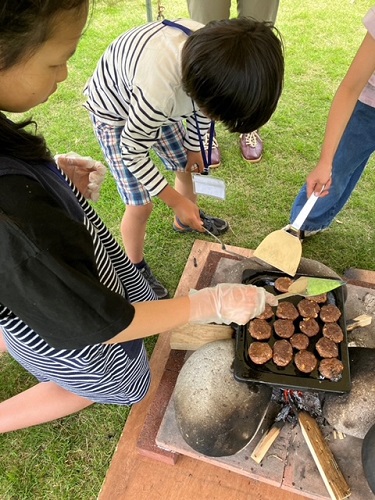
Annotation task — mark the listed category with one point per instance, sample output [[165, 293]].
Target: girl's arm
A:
[[361, 69], [224, 303]]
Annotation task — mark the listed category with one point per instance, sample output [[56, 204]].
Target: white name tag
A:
[[209, 186]]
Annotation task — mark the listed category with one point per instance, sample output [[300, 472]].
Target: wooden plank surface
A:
[[132, 476]]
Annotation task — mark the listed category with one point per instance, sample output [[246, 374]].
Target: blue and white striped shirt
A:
[[137, 85]]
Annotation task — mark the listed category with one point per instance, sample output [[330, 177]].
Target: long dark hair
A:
[[24, 26], [234, 70]]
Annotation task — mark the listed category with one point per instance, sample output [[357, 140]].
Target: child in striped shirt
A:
[[153, 78]]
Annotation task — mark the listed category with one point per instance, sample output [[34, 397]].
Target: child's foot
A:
[[301, 234], [215, 225], [251, 147], [155, 284]]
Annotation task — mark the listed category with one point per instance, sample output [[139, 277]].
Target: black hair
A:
[[234, 70], [24, 26]]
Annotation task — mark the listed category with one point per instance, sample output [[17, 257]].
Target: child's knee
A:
[[140, 213]]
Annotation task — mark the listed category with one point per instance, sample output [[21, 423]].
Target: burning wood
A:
[[305, 408]]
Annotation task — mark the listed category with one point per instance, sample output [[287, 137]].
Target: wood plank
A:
[[330, 472], [266, 442], [191, 337]]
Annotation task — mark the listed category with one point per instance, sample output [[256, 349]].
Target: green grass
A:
[[68, 459]]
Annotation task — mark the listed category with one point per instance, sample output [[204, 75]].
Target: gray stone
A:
[[361, 300], [354, 413], [217, 415]]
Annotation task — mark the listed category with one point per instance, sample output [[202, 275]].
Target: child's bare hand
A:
[[187, 213], [84, 172], [319, 180], [194, 162]]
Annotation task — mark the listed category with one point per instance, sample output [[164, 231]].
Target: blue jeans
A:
[[356, 146]]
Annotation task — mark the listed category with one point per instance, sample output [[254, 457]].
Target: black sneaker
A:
[[215, 225], [158, 288]]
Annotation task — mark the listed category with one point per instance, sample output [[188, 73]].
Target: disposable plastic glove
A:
[[228, 303], [85, 173]]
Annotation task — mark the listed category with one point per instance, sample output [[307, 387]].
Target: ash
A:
[[291, 401]]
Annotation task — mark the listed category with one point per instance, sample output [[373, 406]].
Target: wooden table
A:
[[133, 476]]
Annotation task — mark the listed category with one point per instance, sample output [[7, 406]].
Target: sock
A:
[[141, 264]]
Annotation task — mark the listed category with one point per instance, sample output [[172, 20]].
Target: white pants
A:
[[204, 11]]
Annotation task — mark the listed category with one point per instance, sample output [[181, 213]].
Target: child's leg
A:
[[170, 149], [42, 403], [209, 10], [184, 185], [3, 346], [133, 230], [261, 10]]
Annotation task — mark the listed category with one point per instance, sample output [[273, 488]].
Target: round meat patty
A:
[[320, 299], [330, 313], [308, 308], [333, 332], [282, 352], [309, 326], [259, 329], [284, 328], [331, 368], [299, 341], [305, 361], [327, 348], [282, 284], [267, 313], [260, 352], [287, 310]]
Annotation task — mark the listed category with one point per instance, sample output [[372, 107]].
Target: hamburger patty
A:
[[309, 326], [305, 361], [327, 348], [259, 329], [287, 310], [267, 313], [330, 313], [331, 368], [299, 341], [333, 332], [260, 352], [284, 328], [282, 284], [308, 308], [320, 299], [282, 352]]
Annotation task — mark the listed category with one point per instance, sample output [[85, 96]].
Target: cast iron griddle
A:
[[289, 377]]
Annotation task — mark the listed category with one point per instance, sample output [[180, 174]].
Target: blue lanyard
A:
[[206, 158]]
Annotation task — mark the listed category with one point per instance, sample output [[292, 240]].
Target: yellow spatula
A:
[[283, 249]]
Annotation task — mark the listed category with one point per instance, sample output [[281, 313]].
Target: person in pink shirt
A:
[[349, 140]]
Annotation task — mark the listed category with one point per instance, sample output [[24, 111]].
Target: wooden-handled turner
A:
[[283, 249]]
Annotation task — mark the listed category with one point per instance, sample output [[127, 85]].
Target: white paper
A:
[[209, 186]]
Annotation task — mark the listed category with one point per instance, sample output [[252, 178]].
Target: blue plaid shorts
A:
[[169, 148]]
